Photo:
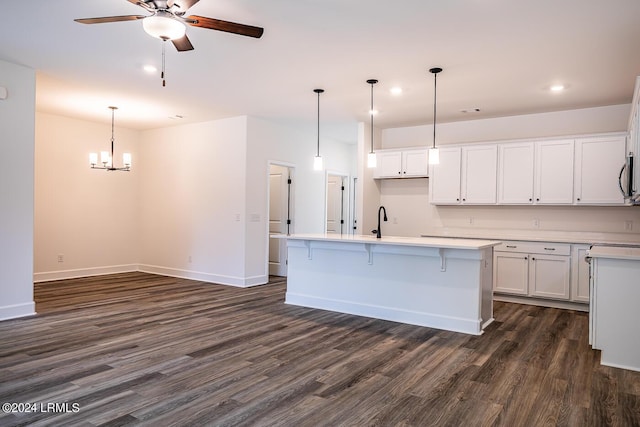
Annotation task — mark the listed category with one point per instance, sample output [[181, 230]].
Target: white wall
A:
[[17, 115], [192, 203], [88, 216], [273, 142], [407, 201]]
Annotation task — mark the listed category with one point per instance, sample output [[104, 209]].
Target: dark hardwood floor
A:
[[141, 349]]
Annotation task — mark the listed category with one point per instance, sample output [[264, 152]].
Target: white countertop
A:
[[433, 242], [615, 252], [551, 237]]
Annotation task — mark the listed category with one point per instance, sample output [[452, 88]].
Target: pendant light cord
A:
[[435, 91], [371, 112], [318, 151], [371, 82], [113, 109]]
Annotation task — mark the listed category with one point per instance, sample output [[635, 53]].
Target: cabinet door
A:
[[515, 173], [597, 165], [444, 178], [479, 174], [554, 172], [414, 163], [389, 164], [511, 272], [549, 276], [579, 273]]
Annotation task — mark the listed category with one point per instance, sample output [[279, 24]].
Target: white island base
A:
[[439, 283]]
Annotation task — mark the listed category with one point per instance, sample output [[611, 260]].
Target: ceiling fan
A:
[[167, 22]]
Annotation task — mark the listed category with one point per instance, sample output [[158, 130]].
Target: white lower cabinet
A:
[[579, 273], [532, 269]]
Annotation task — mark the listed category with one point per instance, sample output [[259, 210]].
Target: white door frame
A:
[[292, 171]]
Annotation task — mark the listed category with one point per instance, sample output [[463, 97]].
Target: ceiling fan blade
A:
[[229, 27], [109, 19], [182, 43], [181, 5]]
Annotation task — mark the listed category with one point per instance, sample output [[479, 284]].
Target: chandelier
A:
[[107, 160]]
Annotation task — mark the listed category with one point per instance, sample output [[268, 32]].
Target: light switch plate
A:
[[3, 92]]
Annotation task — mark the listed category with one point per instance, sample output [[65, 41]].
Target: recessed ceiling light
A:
[[176, 117], [396, 90], [150, 68], [470, 110], [557, 88]]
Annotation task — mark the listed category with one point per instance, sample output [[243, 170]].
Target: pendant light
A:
[[105, 159], [434, 153], [317, 160], [371, 158]]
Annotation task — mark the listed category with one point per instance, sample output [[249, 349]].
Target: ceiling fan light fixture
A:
[[164, 26]]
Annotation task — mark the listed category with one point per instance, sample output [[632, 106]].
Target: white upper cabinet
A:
[[444, 181], [465, 175], [536, 173], [554, 172], [401, 164], [389, 164], [515, 173], [479, 172], [597, 164]]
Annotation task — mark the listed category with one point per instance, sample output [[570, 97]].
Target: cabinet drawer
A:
[[534, 247]]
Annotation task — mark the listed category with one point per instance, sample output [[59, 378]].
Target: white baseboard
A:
[[18, 310], [204, 277], [567, 305], [83, 272]]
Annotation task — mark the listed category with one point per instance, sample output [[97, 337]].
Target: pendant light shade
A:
[[105, 158], [317, 160], [371, 157], [434, 153]]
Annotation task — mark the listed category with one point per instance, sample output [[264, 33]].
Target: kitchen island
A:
[[436, 282]]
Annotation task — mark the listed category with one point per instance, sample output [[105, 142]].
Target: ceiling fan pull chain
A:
[[164, 42]]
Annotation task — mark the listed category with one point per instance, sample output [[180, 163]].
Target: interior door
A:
[[336, 203], [279, 217]]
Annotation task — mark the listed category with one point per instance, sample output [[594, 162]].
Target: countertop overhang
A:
[[615, 252], [429, 242]]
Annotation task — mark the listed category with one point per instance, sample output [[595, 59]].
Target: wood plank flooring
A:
[[142, 349]]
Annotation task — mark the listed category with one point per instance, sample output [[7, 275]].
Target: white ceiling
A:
[[498, 55]]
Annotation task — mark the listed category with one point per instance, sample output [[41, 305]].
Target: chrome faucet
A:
[[377, 231]]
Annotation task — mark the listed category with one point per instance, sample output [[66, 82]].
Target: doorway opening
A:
[[280, 216], [337, 204]]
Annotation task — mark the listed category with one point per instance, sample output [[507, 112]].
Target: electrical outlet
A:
[[628, 225], [470, 221], [395, 220], [536, 223], [60, 257]]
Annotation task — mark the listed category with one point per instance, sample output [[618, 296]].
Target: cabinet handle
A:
[[464, 200], [533, 259], [404, 172], [537, 199], [549, 249], [530, 199], [512, 246], [457, 200], [398, 172], [578, 198], [526, 257]]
